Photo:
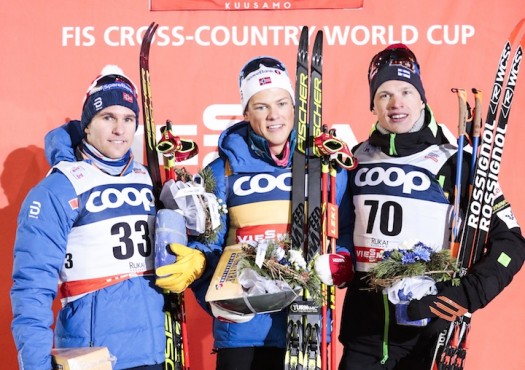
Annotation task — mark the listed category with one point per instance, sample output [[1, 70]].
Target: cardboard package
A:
[[85, 358], [226, 292]]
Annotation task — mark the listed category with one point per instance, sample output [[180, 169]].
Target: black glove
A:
[[450, 303]]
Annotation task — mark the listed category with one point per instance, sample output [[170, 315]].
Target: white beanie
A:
[[262, 79]]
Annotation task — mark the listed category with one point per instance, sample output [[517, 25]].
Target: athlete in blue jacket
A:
[[253, 175], [84, 233]]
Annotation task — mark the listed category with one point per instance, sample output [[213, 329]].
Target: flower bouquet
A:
[[277, 263], [259, 277], [193, 197], [410, 272], [410, 260], [191, 208]]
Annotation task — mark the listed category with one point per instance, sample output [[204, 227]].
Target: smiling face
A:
[[398, 106], [270, 113], [111, 131]]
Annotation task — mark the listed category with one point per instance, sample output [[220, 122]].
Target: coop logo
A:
[[262, 183], [393, 177], [99, 201]]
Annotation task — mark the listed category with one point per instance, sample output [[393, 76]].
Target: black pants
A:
[[366, 354], [250, 358]]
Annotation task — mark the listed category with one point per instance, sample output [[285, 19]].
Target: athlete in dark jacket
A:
[[403, 189]]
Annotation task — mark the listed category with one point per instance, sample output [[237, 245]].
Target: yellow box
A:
[[85, 358], [227, 293]]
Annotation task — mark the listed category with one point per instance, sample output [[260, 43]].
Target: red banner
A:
[[254, 4], [195, 61]]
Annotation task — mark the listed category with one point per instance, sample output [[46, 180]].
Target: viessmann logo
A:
[[99, 201], [393, 177], [262, 183]]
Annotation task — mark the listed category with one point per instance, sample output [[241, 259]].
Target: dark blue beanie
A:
[[396, 62], [108, 90]]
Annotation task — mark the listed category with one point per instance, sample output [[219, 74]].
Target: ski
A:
[[152, 156], [303, 331], [315, 342], [452, 344], [494, 131], [177, 351], [294, 352]]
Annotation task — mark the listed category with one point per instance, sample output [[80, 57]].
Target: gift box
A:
[[92, 358], [226, 291]]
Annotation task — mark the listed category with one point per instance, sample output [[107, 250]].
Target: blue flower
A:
[[409, 257], [422, 252]]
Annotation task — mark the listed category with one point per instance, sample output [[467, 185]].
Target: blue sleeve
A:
[[60, 143], [212, 251], [44, 222]]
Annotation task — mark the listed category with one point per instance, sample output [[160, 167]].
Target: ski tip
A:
[[303, 39], [304, 31], [318, 43], [147, 38]]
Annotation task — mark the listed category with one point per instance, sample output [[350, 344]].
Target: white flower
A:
[[297, 259], [279, 253], [408, 244]]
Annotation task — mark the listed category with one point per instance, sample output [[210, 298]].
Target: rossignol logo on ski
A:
[[393, 177], [99, 201], [486, 179]]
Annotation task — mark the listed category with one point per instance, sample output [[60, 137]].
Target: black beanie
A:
[[396, 62]]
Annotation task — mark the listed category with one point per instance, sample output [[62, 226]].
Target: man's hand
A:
[[449, 304], [334, 268], [176, 277]]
